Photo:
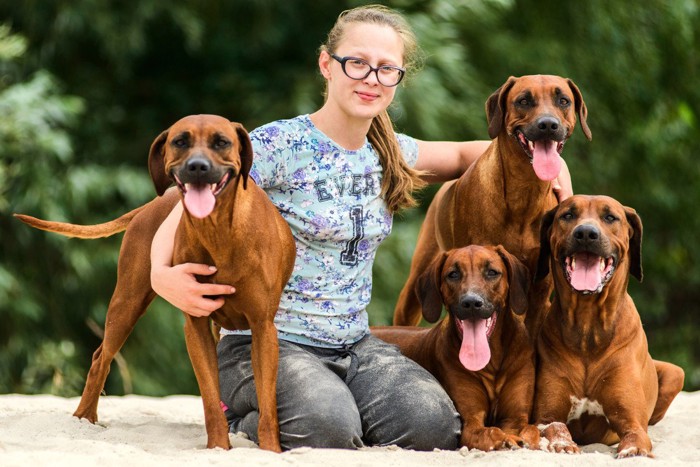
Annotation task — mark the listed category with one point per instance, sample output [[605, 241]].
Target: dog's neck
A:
[[523, 191], [589, 321], [216, 232]]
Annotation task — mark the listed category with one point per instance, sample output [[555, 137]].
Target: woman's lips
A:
[[367, 96]]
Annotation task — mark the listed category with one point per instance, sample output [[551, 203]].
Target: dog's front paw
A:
[[491, 439], [531, 437], [634, 444], [556, 438]]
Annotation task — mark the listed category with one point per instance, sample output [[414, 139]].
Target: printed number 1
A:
[[349, 255]]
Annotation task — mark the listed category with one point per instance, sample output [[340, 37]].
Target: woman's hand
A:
[[562, 185], [179, 286]]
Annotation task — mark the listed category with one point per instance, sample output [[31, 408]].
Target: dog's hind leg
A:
[[131, 297], [671, 379]]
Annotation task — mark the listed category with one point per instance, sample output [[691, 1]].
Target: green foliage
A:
[[85, 87]]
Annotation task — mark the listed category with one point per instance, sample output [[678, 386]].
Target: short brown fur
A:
[[592, 346], [245, 237], [499, 200], [494, 403]]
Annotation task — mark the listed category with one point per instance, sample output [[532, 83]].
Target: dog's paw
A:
[[530, 436], [555, 437], [492, 439], [634, 444]]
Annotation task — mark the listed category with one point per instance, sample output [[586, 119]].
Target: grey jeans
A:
[[366, 394]]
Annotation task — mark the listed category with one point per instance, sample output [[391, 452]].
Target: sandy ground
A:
[[140, 431]]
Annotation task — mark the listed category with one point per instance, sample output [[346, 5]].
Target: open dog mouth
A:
[[544, 155], [588, 273], [474, 352], [200, 198]]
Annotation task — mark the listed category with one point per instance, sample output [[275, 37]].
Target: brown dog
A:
[[480, 352], [502, 197], [595, 373], [228, 222]]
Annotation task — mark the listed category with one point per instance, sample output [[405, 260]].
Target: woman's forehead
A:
[[374, 41]]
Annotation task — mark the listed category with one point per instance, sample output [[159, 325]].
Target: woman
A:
[[337, 176]]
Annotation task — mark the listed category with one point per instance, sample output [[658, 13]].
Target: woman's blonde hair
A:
[[399, 180]]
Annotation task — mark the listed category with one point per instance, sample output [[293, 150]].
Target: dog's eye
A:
[[491, 273], [222, 143], [564, 101], [180, 142], [523, 102], [610, 218], [453, 275], [567, 216]]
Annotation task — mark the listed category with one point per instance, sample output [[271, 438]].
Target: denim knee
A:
[[326, 424]]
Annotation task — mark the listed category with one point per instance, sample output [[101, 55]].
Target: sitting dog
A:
[[596, 382], [481, 351], [228, 222], [501, 198]]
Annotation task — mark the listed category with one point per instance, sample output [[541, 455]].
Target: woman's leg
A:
[[315, 406], [400, 402]]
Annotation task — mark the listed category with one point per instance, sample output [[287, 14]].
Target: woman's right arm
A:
[[178, 284]]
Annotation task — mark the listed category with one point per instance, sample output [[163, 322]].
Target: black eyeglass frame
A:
[[343, 61]]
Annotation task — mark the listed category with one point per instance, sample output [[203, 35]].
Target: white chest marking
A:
[[581, 406]]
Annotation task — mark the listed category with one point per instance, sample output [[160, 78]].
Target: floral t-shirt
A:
[[331, 199]]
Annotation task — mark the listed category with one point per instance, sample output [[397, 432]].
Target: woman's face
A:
[[377, 45]]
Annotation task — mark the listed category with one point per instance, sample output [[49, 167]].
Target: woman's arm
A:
[[178, 284], [447, 160]]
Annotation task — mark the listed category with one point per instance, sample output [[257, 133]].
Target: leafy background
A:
[[86, 85]]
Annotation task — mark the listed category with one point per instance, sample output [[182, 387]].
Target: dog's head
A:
[[201, 154], [590, 240], [477, 284], [540, 113]]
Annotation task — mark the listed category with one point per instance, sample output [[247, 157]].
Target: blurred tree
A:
[[85, 86], [50, 286]]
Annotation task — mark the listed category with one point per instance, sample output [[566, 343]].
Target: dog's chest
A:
[[581, 406]]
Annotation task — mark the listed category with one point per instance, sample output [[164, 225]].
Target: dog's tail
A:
[[82, 231]]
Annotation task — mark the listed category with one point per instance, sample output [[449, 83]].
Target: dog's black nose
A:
[[548, 125], [586, 234], [198, 166], [471, 302], [473, 306]]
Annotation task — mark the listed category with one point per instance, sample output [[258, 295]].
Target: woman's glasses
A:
[[356, 68]]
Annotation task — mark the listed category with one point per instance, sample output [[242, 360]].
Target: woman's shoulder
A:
[[287, 126]]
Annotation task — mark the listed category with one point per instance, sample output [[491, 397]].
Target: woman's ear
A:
[[324, 64]]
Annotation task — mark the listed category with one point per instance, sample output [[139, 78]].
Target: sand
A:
[[169, 431]]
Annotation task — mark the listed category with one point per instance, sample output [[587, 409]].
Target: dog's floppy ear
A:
[[545, 248], [635, 250], [496, 108], [519, 280], [156, 164], [246, 151], [581, 109], [428, 289]]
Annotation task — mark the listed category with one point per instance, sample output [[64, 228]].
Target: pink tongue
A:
[[475, 352], [199, 201], [586, 276], [546, 160]]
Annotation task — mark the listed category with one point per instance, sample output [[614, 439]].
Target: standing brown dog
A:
[[596, 381], [228, 222], [502, 197], [480, 352]]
